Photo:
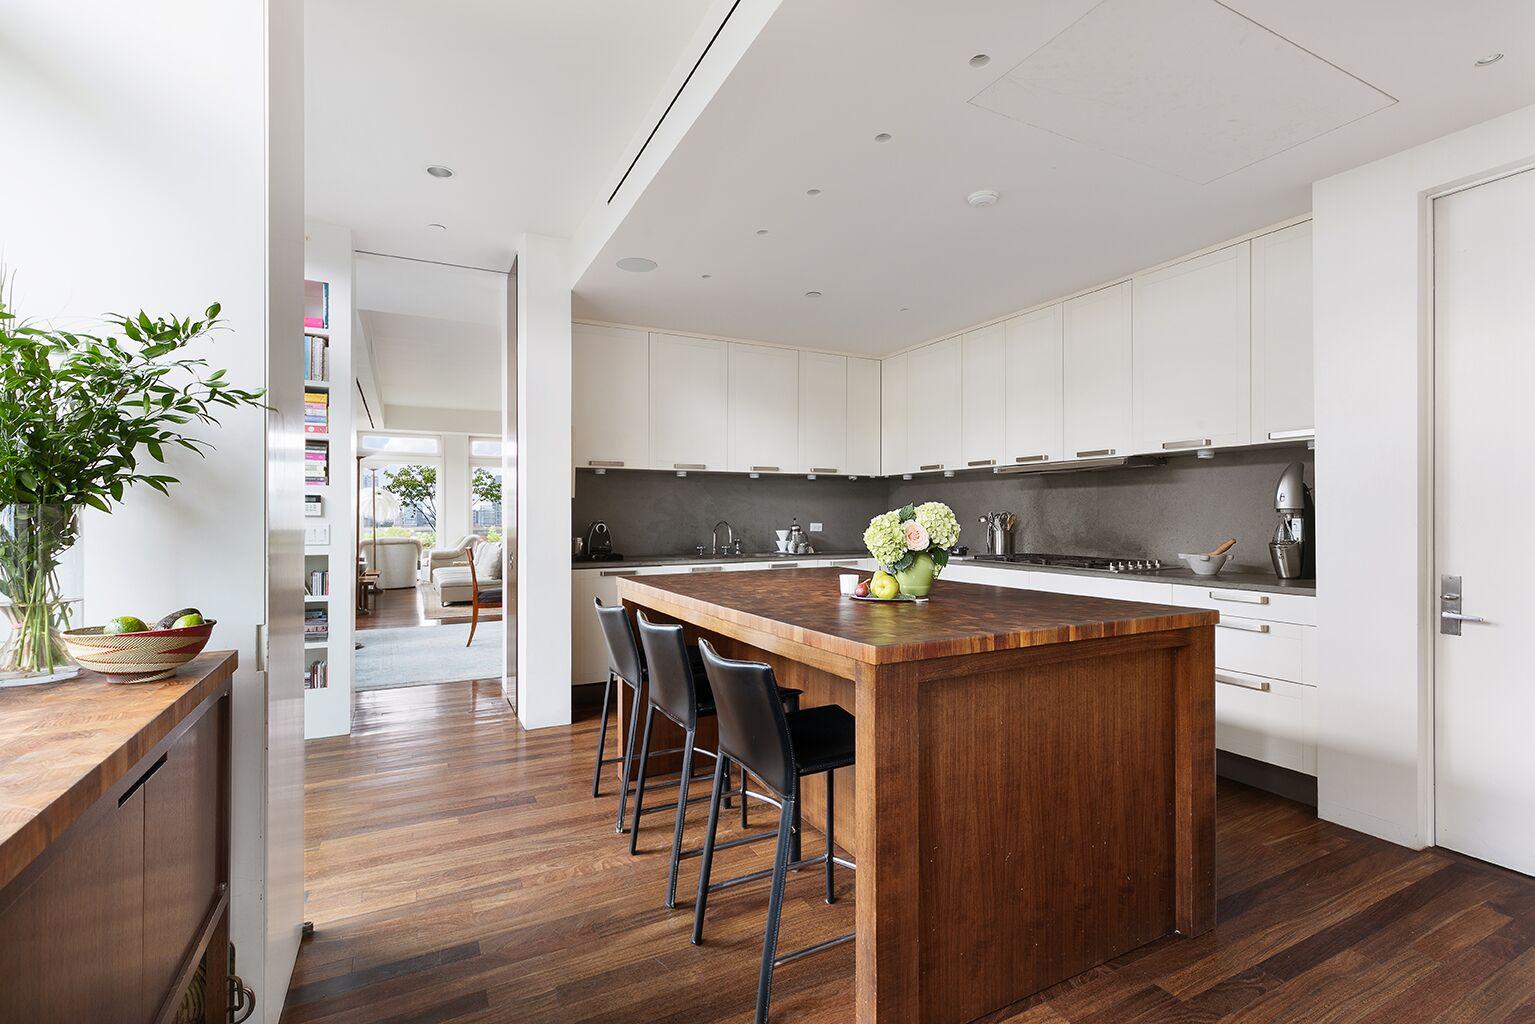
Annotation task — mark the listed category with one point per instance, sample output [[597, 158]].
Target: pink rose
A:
[[916, 535]]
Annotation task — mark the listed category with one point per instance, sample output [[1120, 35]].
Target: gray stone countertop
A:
[[642, 561]]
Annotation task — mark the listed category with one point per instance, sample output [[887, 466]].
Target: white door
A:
[[689, 381], [763, 409], [1096, 373], [983, 396], [1034, 420], [822, 413], [1484, 324]]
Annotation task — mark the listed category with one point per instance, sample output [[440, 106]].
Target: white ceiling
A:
[[891, 228], [532, 103], [430, 363]]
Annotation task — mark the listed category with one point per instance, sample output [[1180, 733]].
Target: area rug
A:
[[409, 655], [433, 609]]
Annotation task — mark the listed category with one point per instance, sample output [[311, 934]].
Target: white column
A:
[[542, 342], [453, 516]]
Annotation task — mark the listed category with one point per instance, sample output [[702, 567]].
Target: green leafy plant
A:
[[83, 418], [486, 486], [416, 487]]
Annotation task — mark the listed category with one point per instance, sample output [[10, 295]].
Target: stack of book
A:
[[316, 463], [315, 679], [316, 412], [316, 624], [319, 583], [316, 358]]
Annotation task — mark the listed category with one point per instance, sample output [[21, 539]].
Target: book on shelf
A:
[[316, 412], [316, 677], [318, 584], [316, 358], [316, 462], [316, 624]]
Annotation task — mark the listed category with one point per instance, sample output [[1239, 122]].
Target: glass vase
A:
[[41, 586]]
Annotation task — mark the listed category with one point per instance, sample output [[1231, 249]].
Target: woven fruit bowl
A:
[[142, 657]]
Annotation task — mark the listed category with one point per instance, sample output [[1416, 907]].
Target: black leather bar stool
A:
[[680, 692], [779, 749], [627, 665]]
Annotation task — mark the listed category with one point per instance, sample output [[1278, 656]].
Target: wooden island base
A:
[[1034, 792]]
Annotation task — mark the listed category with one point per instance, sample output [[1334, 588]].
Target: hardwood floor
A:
[[460, 871], [393, 608]]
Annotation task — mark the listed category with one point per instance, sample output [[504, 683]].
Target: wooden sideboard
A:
[[114, 846]]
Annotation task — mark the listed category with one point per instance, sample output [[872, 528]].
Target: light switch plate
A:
[[816, 528], [316, 535]]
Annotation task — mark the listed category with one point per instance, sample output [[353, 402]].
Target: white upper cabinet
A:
[[822, 413], [689, 383], [604, 362], [983, 396], [863, 417], [1193, 353], [764, 409], [933, 397], [893, 452], [1035, 416], [1096, 372], [1281, 307]]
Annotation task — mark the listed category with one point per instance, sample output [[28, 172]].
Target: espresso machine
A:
[[1293, 548]]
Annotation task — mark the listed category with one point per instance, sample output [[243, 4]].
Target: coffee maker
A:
[[1293, 548]]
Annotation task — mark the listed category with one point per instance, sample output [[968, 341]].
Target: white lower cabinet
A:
[[588, 652], [1268, 720]]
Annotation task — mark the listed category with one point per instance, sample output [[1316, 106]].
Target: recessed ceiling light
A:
[[980, 60], [812, 295], [1491, 58], [705, 276], [438, 227], [812, 191], [882, 137], [762, 231], [905, 309], [985, 197], [637, 264], [439, 171]]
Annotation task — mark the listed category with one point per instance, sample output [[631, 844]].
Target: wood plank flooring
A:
[[460, 871]]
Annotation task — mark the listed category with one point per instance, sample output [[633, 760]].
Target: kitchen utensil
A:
[[138, 657], [599, 541], [999, 532], [1288, 557], [1205, 565], [1293, 549], [577, 545], [898, 599], [848, 582], [1222, 548]]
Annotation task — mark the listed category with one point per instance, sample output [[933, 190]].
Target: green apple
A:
[[125, 624], [884, 586], [189, 619]]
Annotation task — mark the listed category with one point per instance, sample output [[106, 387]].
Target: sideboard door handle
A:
[[138, 785]]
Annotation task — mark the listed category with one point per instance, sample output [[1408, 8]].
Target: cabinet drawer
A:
[[1248, 604], [1269, 720], [1100, 586], [1278, 650]]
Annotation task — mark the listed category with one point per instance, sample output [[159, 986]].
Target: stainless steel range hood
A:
[[1082, 465]]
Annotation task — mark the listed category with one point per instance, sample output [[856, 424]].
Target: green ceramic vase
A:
[[917, 578]]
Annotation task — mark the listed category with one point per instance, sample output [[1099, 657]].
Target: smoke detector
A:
[[985, 197]]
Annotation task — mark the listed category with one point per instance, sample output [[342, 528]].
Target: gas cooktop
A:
[[1102, 564]]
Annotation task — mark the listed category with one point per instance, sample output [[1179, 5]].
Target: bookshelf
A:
[[330, 525]]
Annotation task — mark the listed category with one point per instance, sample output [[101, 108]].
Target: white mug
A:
[[848, 581]]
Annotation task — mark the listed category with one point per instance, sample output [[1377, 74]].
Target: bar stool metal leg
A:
[[602, 737], [721, 779], [831, 830], [639, 788], [623, 793], [775, 909], [682, 810]]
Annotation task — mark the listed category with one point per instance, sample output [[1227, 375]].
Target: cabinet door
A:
[[610, 397], [933, 395], [1193, 353], [983, 396], [1282, 346], [588, 651], [763, 409], [822, 413], [1034, 388], [894, 456], [1096, 372], [863, 417], [689, 384]]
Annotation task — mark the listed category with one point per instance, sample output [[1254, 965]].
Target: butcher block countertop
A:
[[804, 606], [64, 745]]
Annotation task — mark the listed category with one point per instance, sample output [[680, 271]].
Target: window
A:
[[485, 448], [399, 499], [485, 502], [399, 444]]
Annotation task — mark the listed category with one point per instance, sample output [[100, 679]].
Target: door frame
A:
[[1428, 765]]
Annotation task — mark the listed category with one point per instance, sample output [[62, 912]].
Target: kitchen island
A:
[[1035, 786]]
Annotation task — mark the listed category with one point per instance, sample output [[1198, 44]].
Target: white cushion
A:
[[487, 562]]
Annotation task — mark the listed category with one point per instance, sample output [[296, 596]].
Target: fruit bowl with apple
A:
[[129, 650], [882, 586]]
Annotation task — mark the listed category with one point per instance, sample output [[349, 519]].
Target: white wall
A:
[[543, 481], [453, 517], [1374, 386], [136, 181], [484, 422]]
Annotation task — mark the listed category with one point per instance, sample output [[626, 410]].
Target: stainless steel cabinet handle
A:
[[1095, 453], [706, 568], [823, 469], [1239, 598], [1031, 458], [846, 565], [689, 465], [765, 469], [1193, 442], [1260, 685], [606, 463], [1291, 435], [784, 565], [1246, 627], [619, 572], [981, 462], [935, 465]]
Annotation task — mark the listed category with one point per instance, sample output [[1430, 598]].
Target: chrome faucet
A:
[[730, 539]]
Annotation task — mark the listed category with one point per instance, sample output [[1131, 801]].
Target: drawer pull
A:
[[1095, 453], [1239, 598], [1193, 442], [930, 467], [128, 793], [846, 565], [689, 465], [606, 463], [706, 568], [823, 469], [619, 572], [1246, 627], [1291, 435], [765, 469], [1261, 685], [981, 462], [1031, 458], [784, 565]]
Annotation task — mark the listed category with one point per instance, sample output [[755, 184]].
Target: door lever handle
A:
[[1458, 617]]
